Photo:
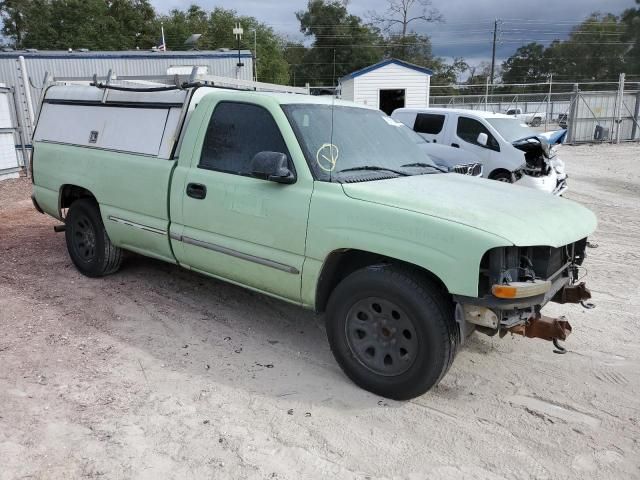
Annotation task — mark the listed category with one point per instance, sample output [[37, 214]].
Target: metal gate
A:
[[10, 163], [604, 117]]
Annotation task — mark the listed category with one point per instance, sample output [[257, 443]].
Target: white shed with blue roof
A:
[[388, 85]]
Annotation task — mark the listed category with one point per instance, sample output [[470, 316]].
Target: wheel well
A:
[[497, 172], [71, 193], [341, 263]]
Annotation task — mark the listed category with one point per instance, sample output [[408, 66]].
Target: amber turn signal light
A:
[[521, 289]]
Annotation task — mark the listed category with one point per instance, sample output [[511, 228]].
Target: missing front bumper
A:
[[491, 315]]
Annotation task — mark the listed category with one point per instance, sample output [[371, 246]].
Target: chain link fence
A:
[[590, 116]]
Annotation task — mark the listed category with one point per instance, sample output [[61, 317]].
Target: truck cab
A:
[[509, 150]]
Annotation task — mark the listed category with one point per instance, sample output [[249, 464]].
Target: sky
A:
[[468, 24]]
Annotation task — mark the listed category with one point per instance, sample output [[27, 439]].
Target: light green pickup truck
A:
[[318, 202]]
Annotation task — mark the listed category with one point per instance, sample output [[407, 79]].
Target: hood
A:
[[537, 153], [448, 156], [534, 145], [555, 137], [523, 216]]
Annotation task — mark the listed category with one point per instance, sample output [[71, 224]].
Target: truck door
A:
[[430, 126], [230, 224], [464, 135]]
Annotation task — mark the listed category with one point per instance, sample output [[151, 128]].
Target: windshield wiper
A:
[[424, 165], [375, 168]]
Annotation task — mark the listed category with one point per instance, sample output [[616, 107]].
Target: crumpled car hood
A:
[[522, 216]]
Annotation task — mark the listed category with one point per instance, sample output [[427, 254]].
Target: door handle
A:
[[196, 190], [455, 145]]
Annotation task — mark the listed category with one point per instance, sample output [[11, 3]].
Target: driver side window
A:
[[236, 132], [468, 130]]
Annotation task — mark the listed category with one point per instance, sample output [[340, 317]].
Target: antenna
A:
[[333, 104]]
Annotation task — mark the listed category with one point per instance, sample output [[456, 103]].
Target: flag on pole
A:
[[162, 45]]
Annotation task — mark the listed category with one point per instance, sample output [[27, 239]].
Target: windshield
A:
[[364, 143], [511, 129], [415, 137]]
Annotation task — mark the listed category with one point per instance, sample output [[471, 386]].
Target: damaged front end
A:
[[516, 282], [542, 168]]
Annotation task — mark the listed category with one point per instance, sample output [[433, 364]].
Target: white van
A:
[[509, 150]]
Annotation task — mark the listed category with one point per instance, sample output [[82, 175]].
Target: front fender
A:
[[449, 250]]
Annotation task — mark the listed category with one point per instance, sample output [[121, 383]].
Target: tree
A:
[[22, 18], [179, 25], [528, 65], [216, 28], [413, 48], [396, 22], [62, 24], [445, 75], [593, 51], [341, 42], [631, 21], [400, 14]]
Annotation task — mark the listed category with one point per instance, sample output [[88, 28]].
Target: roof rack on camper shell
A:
[[149, 83]]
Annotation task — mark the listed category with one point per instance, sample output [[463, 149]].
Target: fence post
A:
[[573, 110], [619, 101], [636, 112], [546, 116], [486, 95]]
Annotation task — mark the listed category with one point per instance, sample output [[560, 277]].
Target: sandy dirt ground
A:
[[156, 372]]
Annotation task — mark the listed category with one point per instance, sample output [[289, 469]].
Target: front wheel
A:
[[392, 331], [502, 176], [89, 246]]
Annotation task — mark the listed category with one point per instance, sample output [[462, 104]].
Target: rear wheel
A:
[[89, 246], [392, 331], [536, 122]]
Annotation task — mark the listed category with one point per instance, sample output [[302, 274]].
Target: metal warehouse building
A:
[[19, 98], [124, 63], [388, 85]]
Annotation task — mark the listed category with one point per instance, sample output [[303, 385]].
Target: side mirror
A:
[[482, 139], [272, 166]]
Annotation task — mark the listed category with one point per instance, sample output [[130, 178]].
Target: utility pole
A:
[[493, 52], [333, 82]]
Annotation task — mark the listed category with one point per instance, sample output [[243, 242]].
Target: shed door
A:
[[391, 99]]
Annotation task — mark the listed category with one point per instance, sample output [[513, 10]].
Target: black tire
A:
[[404, 298], [502, 176], [88, 244], [536, 122]]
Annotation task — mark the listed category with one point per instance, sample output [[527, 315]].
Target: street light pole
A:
[[238, 31], [255, 54]]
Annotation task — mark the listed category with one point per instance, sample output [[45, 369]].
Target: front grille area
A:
[[473, 169], [506, 264]]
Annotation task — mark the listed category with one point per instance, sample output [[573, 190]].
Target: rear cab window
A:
[[468, 130]]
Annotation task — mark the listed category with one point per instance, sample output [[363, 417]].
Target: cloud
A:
[[468, 26]]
